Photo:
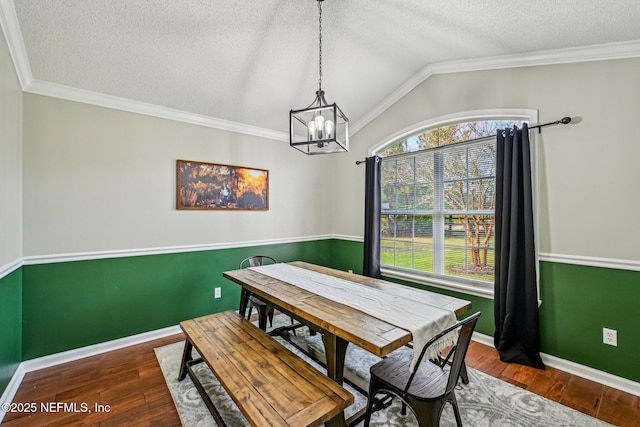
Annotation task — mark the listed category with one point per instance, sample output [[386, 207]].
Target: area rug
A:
[[484, 402]]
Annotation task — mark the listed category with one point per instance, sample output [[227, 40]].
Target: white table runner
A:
[[398, 305]]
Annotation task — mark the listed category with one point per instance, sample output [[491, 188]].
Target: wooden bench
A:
[[270, 384]]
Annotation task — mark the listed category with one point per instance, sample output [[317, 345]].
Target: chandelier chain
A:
[[320, 45]]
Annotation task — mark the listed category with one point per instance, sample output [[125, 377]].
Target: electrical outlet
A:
[[217, 292], [610, 336]]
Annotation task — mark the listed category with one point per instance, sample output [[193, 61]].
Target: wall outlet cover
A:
[[610, 336]]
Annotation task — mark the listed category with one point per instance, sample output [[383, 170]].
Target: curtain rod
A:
[[562, 121]]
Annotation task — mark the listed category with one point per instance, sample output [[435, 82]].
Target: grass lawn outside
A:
[[417, 254]]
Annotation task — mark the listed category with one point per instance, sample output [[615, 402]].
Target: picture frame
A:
[[212, 186]]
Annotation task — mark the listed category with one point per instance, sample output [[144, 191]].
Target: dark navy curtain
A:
[[371, 262], [517, 334]]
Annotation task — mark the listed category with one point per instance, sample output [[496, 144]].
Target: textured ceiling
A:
[[250, 61]]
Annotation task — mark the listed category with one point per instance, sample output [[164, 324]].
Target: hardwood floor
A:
[[131, 383], [129, 380]]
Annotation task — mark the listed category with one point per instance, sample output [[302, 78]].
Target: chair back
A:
[[256, 261], [465, 329]]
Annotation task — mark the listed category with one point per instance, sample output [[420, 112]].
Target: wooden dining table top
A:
[[323, 314]]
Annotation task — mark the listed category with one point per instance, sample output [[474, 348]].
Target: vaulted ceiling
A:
[[243, 64]]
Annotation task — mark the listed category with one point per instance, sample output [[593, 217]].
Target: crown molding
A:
[[13, 36], [602, 52], [54, 90]]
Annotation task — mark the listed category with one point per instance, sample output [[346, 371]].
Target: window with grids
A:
[[438, 202]]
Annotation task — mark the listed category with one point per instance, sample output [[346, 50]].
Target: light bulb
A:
[[328, 129], [312, 130], [320, 125]]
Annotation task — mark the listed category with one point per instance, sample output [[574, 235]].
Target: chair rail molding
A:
[[9, 268], [618, 264]]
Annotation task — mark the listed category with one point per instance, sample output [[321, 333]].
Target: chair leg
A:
[[463, 373], [456, 410], [369, 410], [270, 315], [427, 413]]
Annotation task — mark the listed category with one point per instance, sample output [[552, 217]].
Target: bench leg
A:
[[186, 358], [185, 369], [206, 399]]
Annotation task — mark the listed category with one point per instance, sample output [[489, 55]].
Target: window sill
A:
[[438, 283]]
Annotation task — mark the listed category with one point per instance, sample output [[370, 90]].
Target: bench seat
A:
[[270, 384]]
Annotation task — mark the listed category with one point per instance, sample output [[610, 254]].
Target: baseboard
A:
[[11, 390], [75, 354], [601, 377]]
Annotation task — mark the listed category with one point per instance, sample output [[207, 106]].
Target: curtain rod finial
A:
[[565, 120]]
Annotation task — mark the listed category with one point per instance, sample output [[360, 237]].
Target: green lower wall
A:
[[577, 302], [75, 304], [10, 326]]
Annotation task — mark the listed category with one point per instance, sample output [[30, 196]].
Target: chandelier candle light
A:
[[321, 128]]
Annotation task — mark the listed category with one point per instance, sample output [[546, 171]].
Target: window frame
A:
[[458, 284]]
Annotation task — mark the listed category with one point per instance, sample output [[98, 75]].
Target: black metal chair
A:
[[428, 389], [265, 311]]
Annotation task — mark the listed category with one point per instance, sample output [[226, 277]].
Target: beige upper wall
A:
[[10, 160], [587, 171], [97, 179]]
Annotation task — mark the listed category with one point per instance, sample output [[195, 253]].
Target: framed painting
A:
[[210, 186]]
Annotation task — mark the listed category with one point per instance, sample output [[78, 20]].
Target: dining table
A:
[[346, 308]]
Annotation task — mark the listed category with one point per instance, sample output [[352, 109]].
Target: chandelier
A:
[[321, 128]]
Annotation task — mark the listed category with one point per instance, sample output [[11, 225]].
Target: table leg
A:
[[244, 302], [335, 349]]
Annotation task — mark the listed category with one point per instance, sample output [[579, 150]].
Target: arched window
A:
[[437, 217]]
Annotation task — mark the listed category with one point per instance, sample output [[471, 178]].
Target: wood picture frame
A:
[[212, 186]]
